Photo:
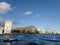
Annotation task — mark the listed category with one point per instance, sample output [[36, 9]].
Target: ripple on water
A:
[[28, 39]]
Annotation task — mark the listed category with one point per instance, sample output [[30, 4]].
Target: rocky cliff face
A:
[[28, 29]]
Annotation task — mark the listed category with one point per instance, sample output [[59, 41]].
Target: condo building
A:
[[8, 26]]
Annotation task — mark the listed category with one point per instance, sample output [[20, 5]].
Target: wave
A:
[[29, 39], [10, 40], [51, 40]]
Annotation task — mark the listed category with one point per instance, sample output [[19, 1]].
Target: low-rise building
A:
[[41, 31], [50, 31]]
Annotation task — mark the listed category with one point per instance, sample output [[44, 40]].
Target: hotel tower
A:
[[8, 26]]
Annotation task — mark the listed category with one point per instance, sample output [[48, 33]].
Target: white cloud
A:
[[28, 12], [4, 7]]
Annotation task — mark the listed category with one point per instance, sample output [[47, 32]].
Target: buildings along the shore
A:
[[7, 27]]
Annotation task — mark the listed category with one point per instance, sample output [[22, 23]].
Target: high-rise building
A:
[[8, 26]]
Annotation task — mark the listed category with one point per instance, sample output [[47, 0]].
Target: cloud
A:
[[28, 12], [4, 7]]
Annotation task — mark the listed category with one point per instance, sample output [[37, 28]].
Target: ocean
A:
[[29, 39]]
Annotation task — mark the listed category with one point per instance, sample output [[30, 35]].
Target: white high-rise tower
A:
[[8, 26]]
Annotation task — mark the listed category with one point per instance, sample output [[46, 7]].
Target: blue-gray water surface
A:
[[29, 39]]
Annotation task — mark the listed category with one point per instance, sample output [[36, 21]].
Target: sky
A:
[[41, 13]]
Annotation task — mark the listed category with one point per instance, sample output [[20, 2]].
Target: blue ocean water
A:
[[29, 39]]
